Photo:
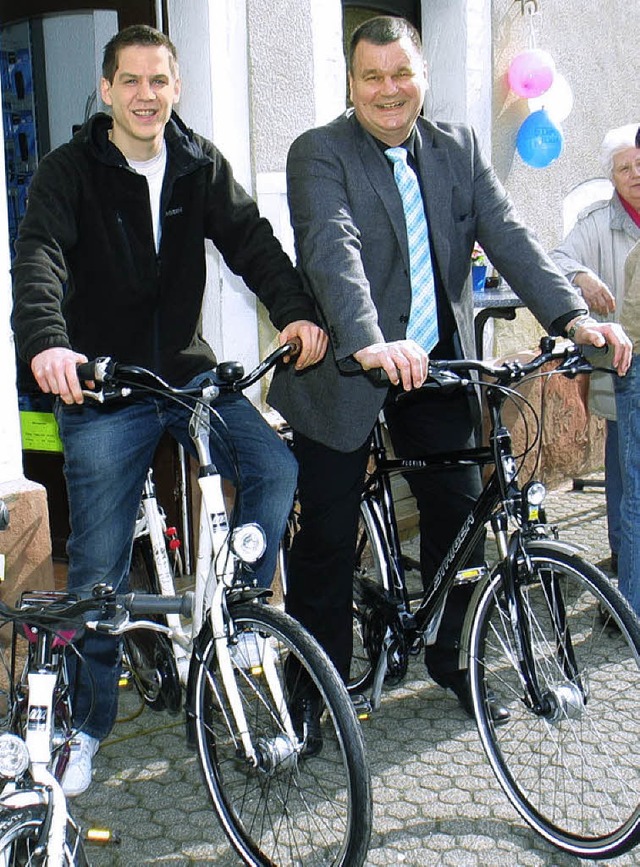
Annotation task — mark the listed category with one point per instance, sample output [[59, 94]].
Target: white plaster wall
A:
[[329, 64], [595, 49], [594, 46], [297, 73], [211, 40], [457, 44], [296, 82], [10, 446]]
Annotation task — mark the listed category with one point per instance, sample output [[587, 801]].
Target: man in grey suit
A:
[[353, 254]]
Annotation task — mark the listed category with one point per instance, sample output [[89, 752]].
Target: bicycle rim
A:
[[295, 810], [149, 655], [573, 772], [20, 831], [369, 621]]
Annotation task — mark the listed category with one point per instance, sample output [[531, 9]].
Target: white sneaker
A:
[[77, 777]]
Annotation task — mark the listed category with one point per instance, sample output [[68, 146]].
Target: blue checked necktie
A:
[[423, 319]]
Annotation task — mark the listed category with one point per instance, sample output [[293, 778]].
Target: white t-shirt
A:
[[153, 171]]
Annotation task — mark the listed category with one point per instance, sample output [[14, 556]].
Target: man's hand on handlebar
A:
[[55, 372], [313, 339], [599, 334], [403, 361]]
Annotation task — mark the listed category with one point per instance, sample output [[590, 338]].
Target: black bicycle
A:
[[546, 632]]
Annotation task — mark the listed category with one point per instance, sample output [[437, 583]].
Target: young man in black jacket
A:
[[110, 260]]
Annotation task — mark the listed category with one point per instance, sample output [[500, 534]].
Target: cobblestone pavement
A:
[[436, 800]]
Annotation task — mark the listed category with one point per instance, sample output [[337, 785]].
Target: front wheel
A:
[[21, 830], [372, 611], [571, 766], [292, 806]]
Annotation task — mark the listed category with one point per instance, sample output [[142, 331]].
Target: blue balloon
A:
[[540, 140]]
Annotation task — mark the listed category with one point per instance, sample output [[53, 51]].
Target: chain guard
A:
[[377, 614]]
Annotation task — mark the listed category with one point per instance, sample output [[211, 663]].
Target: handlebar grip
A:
[[293, 347], [96, 370], [86, 371], [148, 605]]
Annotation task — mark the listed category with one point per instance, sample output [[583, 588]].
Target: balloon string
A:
[[532, 33]]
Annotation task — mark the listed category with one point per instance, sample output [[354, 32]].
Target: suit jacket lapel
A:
[[380, 175], [436, 184]]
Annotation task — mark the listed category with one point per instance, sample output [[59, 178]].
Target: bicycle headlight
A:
[[14, 756], [535, 493], [248, 542], [533, 496]]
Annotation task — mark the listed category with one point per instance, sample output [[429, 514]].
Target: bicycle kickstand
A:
[[381, 670]]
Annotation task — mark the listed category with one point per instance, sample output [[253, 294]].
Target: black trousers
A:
[[320, 573]]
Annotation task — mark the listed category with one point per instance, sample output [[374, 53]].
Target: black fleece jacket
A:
[[86, 274]]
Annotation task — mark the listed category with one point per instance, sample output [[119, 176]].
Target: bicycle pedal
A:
[[362, 707], [102, 837], [125, 681]]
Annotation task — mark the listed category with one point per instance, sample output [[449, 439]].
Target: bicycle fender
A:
[[247, 594], [569, 548]]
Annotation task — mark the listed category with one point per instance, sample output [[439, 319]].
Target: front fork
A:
[[513, 553], [215, 573]]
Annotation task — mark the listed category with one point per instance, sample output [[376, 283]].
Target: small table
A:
[[499, 303]]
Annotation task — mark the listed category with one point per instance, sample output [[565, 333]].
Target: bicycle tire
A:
[[369, 620], [572, 772], [20, 829], [149, 655], [295, 810]]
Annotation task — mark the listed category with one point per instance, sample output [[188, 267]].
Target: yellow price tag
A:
[[40, 432]]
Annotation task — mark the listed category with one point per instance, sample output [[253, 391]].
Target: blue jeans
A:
[[627, 390], [107, 452], [613, 485]]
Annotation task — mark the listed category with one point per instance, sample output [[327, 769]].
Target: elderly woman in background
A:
[[593, 257], [628, 406]]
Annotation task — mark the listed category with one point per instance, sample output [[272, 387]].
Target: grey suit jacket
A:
[[352, 252]]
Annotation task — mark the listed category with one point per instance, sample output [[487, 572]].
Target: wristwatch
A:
[[581, 320]]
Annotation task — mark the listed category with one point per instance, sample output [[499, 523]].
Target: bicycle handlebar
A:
[[120, 380], [573, 361], [104, 607]]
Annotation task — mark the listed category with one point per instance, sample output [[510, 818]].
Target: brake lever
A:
[[577, 360], [107, 393], [445, 380]]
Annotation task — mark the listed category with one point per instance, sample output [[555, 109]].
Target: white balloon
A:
[[558, 100]]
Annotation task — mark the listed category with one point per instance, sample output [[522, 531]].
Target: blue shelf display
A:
[[19, 124]]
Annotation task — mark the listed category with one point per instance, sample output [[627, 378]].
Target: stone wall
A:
[[570, 440], [26, 543]]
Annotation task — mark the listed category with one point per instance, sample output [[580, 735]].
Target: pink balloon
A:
[[531, 73]]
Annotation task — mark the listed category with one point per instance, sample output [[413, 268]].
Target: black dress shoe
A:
[[458, 683], [305, 718]]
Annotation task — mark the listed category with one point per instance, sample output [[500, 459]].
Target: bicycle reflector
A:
[[14, 756], [248, 542]]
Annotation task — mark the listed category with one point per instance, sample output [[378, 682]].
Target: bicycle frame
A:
[[45, 661], [500, 500], [153, 525], [215, 571]]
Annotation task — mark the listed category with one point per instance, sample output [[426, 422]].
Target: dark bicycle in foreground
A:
[[547, 633]]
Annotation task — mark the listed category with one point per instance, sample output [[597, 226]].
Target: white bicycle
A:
[[247, 670]]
